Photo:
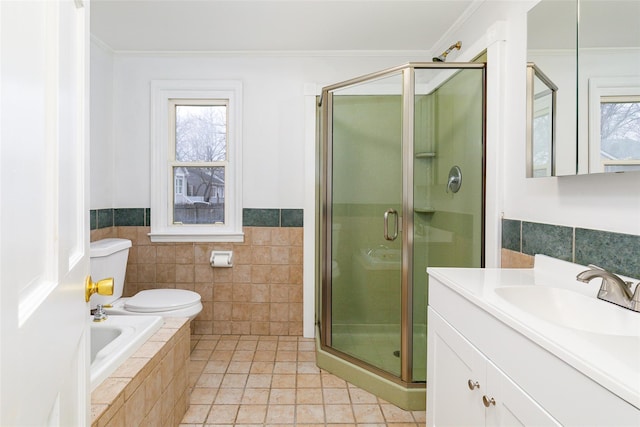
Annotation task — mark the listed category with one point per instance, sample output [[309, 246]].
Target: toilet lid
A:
[[154, 300]]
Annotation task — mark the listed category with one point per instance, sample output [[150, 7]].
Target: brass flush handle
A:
[[103, 287]]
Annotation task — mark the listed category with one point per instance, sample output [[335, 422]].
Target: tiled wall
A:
[[151, 387], [616, 252], [260, 295]]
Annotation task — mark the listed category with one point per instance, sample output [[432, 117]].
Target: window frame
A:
[[163, 92]]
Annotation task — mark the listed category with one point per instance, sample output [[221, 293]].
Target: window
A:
[[196, 169], [614, 124]]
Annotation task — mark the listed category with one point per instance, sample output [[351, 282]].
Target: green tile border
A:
[[552, 240], [511, 235], [93, 220], [128, 217], [616, 252], [104, 218], [261, 217], [251, 217], [291, 217]]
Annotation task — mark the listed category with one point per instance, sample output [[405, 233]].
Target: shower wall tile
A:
[[551, 240], [616, 252]]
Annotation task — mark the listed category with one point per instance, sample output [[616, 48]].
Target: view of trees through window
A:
[[200, 162], [620, 134]]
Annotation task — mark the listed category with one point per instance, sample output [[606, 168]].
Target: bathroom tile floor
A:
[[270, 380]]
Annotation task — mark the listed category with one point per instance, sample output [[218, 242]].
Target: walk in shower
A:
[[401, 188]]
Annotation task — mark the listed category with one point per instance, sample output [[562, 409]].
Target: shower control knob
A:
[[473, 384], [454, 182]]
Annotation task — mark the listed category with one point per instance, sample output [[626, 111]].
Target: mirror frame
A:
[[534, 72]]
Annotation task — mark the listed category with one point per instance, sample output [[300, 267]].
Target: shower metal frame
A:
[[326, 206]]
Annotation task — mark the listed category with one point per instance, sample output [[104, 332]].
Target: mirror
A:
[[609, 86], [552, 47], [594, 59]]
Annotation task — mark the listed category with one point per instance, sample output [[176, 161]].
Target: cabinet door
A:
[[455, 387], [511, 406]]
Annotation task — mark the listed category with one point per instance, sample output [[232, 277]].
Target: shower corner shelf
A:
[[424, 210], [425, 155]]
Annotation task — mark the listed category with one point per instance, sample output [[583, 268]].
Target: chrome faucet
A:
[[613, 288], [99, 315]]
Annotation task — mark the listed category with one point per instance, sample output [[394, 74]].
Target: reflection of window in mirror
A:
[[541, 101], [614, 121], [620, 133]]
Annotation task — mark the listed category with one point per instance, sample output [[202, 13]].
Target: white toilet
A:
[[109, 259]]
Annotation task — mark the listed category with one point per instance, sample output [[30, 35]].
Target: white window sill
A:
[[185, 237]]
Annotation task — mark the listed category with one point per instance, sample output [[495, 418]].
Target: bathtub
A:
[[114, 340]]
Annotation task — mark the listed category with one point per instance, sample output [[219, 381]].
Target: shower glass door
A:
[[447, 219], [366, 211]]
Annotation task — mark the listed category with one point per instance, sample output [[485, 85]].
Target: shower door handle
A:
[[386, 224]]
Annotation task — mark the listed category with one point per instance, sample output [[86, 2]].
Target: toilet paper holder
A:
[[221, 259]]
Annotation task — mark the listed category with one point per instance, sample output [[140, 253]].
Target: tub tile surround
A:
[[151, 387], [260, 295], [616, 252]]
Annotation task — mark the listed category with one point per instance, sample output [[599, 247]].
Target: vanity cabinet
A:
[[485, 368], [465, 388]]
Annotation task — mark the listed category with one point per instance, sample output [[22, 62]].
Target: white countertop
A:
[[613, 361]]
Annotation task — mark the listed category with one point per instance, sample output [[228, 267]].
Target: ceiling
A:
[[275, 25]]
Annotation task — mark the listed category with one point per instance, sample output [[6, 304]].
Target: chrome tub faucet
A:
[[99, 315], [613, 288]]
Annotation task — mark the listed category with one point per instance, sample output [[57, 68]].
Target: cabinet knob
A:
[[488, 401], [473, 384]]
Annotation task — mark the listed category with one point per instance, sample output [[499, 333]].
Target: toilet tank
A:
[[109, 259]]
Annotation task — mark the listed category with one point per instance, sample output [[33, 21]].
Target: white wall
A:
[[101, 132], [273, 117]]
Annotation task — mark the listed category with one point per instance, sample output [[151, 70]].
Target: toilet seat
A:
[[159, 300]]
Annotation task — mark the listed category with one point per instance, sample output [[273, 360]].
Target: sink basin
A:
[[570, 309]]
